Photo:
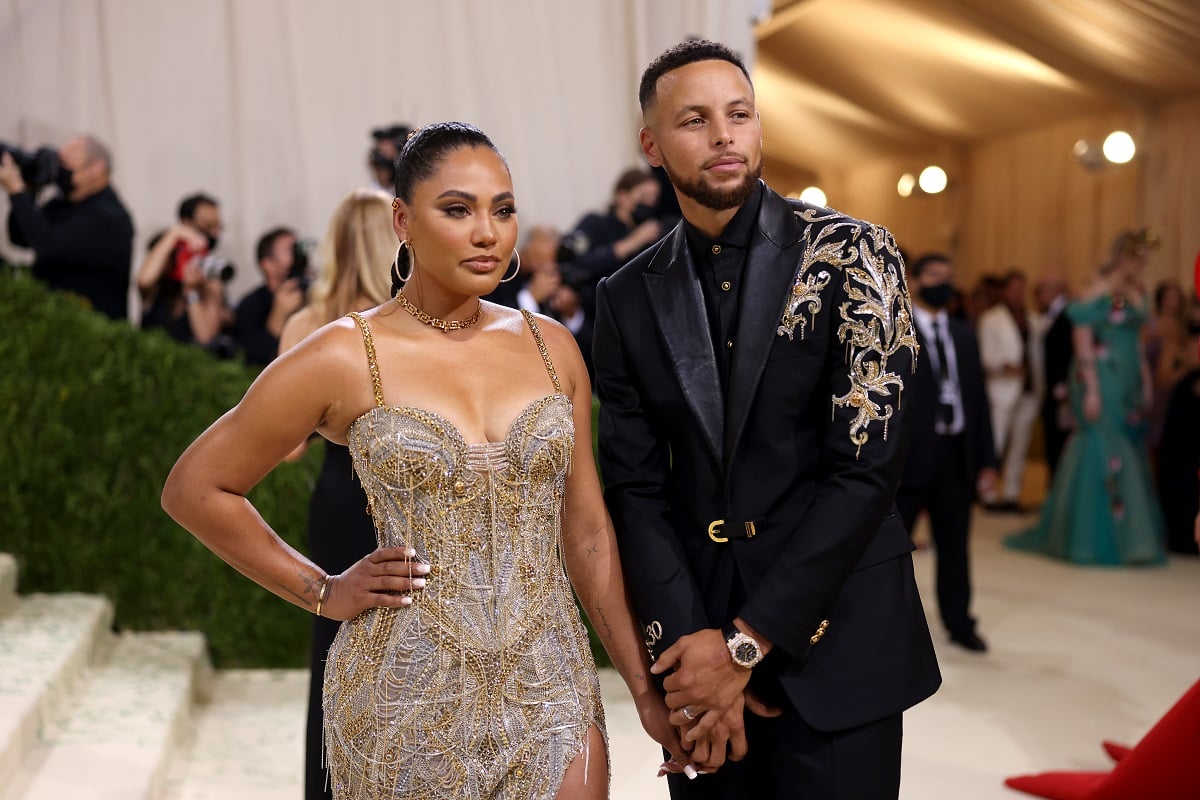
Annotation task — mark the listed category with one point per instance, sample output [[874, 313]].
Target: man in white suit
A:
[[1005, 346]]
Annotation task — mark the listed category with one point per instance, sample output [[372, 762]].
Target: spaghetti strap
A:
[[372, 363], [537, 336]]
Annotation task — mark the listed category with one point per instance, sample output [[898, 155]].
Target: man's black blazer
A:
[[921, 395], [808, 444]]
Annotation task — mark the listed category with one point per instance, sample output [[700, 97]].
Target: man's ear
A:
[[649, 147]]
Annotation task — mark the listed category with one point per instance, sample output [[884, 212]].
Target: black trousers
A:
[[789, 759], [948, 500]]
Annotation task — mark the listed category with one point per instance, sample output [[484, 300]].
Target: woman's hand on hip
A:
[[385, 578]]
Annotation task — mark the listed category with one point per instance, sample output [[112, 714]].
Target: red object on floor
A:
[[1116, 751], [1164, 765]]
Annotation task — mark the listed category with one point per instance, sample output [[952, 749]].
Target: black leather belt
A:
[[721, 531]]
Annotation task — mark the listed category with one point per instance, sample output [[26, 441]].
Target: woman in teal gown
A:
[[1102, 508]]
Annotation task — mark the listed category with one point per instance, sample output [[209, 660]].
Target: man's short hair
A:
[[686, 52], [189, 204], [919, 265], [1013, 274], [266, 242], [632, 178], [96, 150]]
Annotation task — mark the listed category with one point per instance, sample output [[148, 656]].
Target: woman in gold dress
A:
[[463, 669]]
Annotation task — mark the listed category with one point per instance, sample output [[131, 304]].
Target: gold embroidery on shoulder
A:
[[804, 300], [876, 323]]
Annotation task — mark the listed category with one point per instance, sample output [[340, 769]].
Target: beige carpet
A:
[[1077, 655]]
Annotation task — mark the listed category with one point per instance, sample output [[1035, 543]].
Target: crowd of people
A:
[[715, 419]]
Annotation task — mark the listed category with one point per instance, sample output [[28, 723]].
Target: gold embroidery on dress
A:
[[485, 686], [876, 321]]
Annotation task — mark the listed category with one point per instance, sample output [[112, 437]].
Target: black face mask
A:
[[65, 181], [937, 296], [642, 212]]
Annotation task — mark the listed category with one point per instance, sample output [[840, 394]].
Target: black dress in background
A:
[[1178, 462], [340, 532]]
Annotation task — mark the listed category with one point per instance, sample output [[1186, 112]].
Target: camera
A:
[[301, 262], [212, 267], [216, 267], [40, 168]]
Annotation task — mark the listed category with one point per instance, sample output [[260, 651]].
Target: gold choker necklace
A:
[[444, 325]]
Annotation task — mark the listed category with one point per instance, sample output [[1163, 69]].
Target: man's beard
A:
[[710, 196]]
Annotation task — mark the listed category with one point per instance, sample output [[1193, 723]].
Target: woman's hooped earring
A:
[[396, 275], [516, 259]]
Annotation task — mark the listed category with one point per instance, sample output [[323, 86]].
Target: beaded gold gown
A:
[[485, 686]]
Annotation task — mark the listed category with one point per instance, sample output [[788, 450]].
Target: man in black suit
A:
[[749, 368], [953, 454], [1056, 349]]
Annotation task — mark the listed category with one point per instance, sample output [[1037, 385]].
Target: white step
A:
[[115, 740], [247, 742], [46, 643], [8, 583]]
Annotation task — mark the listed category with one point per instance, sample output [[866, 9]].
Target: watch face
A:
[[746, 652]]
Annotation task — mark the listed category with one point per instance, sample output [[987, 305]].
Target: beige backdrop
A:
[[267, 104]]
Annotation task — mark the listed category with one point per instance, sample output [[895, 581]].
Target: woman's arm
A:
[[152, 266], [1085, 365], [206, 490], [590, 551]]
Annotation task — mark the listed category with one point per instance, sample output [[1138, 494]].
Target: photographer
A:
[[381, 158], [260, 315], [82, 240], [601, 243], [182, 282]]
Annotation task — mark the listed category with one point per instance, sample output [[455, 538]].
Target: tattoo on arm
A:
[[593, 549], [311, 588], [604, 621]]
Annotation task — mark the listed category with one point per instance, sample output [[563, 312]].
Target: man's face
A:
[[88, 175], [935, 273], [1014, 292], [704, 130], [207, 220], [278, 264]]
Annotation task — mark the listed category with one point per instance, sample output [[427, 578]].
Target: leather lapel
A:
[[768, 273], [673, 288]]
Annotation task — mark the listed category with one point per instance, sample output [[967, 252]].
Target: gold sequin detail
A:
[[485, 685], [876, 320]]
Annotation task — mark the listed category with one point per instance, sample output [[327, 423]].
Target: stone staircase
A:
[[85, 713]]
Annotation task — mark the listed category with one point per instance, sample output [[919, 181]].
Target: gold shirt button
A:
[[716, 249], [726, 286]]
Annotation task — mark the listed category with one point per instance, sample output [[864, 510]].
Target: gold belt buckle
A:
[[712, 531]]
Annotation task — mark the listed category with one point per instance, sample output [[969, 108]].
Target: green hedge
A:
[[92, 416]]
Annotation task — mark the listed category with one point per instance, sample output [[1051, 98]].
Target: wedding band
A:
[[687, 712]]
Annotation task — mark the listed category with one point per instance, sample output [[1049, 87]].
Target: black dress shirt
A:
[[720, 261]]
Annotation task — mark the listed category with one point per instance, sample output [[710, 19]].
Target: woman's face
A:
[[1172, 301], [461, 224]]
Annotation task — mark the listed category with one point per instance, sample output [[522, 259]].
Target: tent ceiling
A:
[[843, 80]]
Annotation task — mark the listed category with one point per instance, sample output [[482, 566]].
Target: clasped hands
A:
[[707, 695]]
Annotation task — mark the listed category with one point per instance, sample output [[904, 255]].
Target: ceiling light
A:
[[1119, 147], [906, 184], [932, 180], [813, 195]]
